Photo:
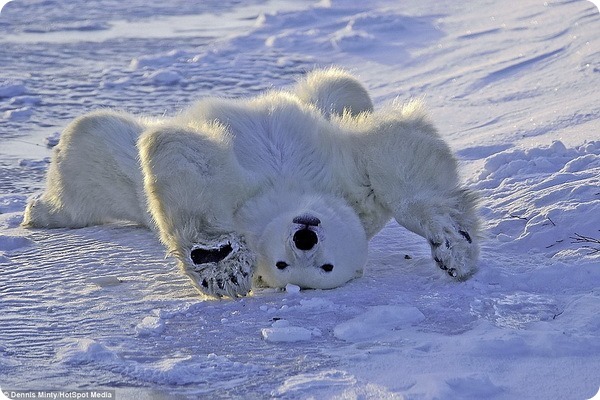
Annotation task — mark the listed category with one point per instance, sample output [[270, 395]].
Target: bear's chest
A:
[[291, 153]]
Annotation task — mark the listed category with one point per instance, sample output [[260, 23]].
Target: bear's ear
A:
[[203, 255]]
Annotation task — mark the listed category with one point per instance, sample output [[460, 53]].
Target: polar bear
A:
[[283, 188]]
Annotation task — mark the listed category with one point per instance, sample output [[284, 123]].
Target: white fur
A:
[[94, 176], [333, 91], [234, 174]]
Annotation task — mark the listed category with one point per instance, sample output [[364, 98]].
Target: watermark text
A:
[[59, 394]]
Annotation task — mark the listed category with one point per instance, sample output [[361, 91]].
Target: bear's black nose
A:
[[305, 239], [307, 219]]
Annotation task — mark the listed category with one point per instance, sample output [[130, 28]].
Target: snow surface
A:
[[513, 87]]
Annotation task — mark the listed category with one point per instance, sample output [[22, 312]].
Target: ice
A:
[[376, 322], [282, 331], [512, 89], [290, 288]]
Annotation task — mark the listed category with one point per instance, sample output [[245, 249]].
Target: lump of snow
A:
[[12, 203], [85, 26], [349, 38], [159, 60], [26, 100], [52, 140], [298, 385], [187, 370], [9, 243], [105, 281], [582, 163], [150, 326], [12, 220], [83, 351], [289, 288], [510, 163], [164, 77], [34, 164], [18, 114], [544, 196], [260, 20], [11, 88], [378, 321], [283, 331], [116, 84]]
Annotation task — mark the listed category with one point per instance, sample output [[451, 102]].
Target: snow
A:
[[512, 89]]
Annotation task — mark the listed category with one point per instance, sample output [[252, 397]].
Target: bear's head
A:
[[315, 242]]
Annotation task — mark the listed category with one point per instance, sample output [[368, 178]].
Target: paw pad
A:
[[204, 256]]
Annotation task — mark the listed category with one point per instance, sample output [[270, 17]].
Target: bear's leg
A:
[[448, 220], [334, 91], [413, 173], [194, 184], [94, 176]]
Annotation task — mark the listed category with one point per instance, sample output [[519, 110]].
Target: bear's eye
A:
[[327, 267], [281, 265]]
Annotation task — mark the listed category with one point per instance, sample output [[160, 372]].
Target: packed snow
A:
[[512, 88]]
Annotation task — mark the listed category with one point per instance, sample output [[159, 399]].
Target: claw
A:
[[466, 236], [434, 244], [440, 264], [452, 272]]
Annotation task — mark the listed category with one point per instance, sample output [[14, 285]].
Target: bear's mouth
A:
[[201, 255]]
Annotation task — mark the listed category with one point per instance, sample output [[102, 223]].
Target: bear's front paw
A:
[[222, 267], [455, 252]]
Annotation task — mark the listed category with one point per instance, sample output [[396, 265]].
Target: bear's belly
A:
[[372, 214]]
